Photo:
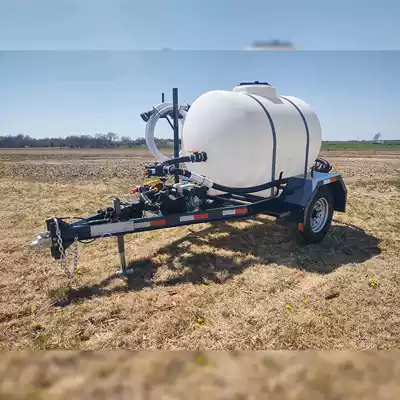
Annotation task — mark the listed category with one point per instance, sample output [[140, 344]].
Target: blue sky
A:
[[198, 24], [56, 93], [64, 91]]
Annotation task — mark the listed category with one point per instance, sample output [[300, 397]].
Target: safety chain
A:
[[64, 256]]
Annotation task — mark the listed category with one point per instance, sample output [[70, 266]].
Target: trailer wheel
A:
[[318, 218]]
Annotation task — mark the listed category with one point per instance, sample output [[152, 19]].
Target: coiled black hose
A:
[[321, 165]]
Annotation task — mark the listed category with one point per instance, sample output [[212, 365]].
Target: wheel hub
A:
[[319, 215]]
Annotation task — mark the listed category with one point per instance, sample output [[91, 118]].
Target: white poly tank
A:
[[237, 129]]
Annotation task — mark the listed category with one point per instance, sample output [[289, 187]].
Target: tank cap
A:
[[254, 83]]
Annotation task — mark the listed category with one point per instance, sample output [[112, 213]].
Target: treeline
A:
[[99, 140]]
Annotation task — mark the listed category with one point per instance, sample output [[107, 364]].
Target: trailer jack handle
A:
[[124, 271]]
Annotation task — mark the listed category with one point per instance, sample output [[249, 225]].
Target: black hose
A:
[[251, 189], [173, 161], [321, 165]]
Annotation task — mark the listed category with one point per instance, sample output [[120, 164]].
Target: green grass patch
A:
[[363, 145]]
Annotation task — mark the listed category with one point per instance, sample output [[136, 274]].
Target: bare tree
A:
[[98, 140], [111, 138], [125, 141]]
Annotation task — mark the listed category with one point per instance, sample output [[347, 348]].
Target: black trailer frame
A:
[[289, 204]]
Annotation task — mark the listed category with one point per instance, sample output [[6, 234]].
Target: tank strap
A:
[[271, 122], [307, 132]]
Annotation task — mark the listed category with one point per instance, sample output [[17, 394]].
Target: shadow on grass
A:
[[261, 243]]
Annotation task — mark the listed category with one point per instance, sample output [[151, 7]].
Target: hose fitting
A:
[[198, 156]]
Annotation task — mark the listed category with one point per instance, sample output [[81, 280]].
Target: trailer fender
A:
[[299, 193]]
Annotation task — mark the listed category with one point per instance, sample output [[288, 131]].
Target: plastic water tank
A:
[[251, 135]]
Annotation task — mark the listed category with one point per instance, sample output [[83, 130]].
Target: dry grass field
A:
[[243, 285], [290, 375]]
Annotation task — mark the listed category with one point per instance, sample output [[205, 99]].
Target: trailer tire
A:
[[318, 218]]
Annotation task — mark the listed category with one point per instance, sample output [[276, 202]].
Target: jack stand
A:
[[121, 243]]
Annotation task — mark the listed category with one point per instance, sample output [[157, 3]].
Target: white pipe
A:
[[160, 110], [202, 180]]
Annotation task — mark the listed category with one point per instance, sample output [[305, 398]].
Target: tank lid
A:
[[254, 83], [257, 88]]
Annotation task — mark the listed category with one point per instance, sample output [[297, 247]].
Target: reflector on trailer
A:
[[200, 216], [158, 222]]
